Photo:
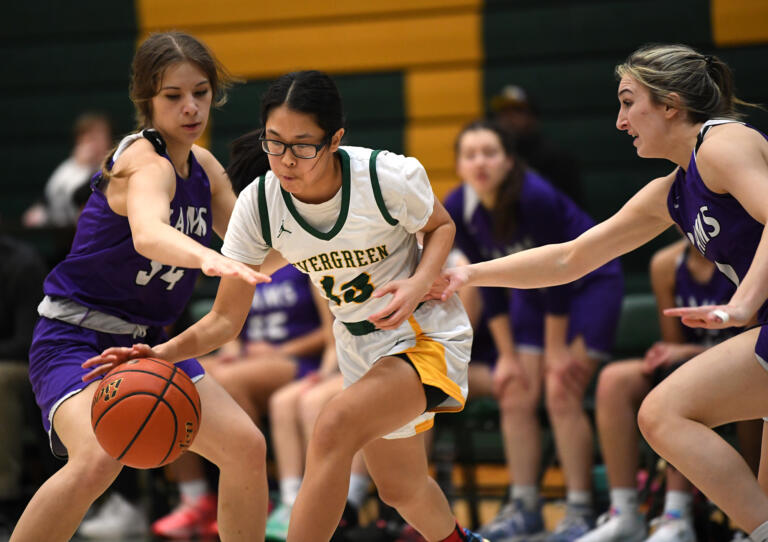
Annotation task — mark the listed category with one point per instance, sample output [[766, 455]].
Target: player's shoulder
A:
[[205, 157], [139, 154]]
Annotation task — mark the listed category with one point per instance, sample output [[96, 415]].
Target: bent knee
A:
[[246, 448], [282, 407], [94, 469], [517, 401], [336, 428], [397, 493], [562, 399], [651, 418]]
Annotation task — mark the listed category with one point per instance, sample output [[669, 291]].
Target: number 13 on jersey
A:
[[356, 290]]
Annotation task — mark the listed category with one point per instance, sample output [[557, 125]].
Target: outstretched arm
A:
[[641, 219], [221, 325], [142, 189]]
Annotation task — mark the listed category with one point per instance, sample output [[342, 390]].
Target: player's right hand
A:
[[114, 356], [216, 265]]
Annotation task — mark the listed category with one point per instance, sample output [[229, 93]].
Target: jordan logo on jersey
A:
[[705, 228], [282, 229]]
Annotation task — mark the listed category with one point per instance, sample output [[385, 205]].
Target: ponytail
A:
[[247, 160]]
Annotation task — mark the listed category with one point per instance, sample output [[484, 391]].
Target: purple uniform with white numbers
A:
[[104, 273], [718, 290], [719, 227], [544, 216], [282, 310]]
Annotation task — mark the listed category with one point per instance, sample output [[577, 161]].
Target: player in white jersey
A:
[[348, 217]]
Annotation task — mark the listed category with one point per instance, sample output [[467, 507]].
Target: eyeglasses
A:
[[300, 150]]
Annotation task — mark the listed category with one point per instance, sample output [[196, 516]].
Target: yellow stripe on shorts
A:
[[428, 356]]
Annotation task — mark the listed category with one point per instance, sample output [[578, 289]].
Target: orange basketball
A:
[[145, 413]]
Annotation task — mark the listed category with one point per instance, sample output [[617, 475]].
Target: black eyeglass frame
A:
[[286, 146]]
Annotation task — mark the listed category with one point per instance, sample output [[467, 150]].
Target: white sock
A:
[[528, 495], [678, 503], [760, 534], [624, 500], [192, 490], [358, 489], [580, 498], [289, 490]]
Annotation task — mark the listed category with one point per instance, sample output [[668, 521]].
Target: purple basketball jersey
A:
[[691, 293], [545, 216], [716, 224], [104, 272], [283, 310]]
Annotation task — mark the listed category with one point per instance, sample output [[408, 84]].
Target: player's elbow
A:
[[143, 242], [570, 262]]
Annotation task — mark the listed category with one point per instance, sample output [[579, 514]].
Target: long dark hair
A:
[[311, 92], [505, 210]]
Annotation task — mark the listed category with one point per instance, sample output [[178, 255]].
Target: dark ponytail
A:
[[247, 160]]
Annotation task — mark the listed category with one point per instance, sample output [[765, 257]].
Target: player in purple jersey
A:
[[680, 277], [544, 337], [139, 243], [670, 96]]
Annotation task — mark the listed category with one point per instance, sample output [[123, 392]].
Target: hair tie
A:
[[709, 59]]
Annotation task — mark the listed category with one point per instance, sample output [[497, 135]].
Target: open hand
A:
[[710, 316], [216, 265], [112, 357]]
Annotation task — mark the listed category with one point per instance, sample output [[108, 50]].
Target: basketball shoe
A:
[[189, 519]]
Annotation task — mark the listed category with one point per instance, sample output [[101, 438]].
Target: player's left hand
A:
[[710, 316], [112, 357], [406, 295]]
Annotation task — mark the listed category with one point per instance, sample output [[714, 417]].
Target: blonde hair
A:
[[704, 83]]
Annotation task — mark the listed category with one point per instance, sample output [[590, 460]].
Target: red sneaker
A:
[[189, 519]]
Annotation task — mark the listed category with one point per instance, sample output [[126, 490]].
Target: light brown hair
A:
[[704, 83]]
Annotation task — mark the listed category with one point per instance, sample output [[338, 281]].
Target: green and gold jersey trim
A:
[[345, 188], [377, 190]]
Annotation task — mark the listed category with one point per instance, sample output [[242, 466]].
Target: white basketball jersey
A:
[[384, 199]]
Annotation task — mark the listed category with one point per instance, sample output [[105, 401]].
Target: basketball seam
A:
[[149, 415], [191, 402]]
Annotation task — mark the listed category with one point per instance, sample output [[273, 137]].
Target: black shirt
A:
[[21, 289]]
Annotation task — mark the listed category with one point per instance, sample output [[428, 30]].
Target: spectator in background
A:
[[515, 110], [549, 341], [93, 139], [21, 279]]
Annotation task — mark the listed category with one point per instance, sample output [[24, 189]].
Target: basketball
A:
[[145, 413]]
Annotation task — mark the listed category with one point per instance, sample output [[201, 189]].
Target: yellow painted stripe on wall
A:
[[167, 14], [432, 144], [444, 93], [348, 46], [443, 182], [739, 22]]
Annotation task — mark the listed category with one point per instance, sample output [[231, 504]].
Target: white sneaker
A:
[[117, 518], [672, 529], [615, 527]]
